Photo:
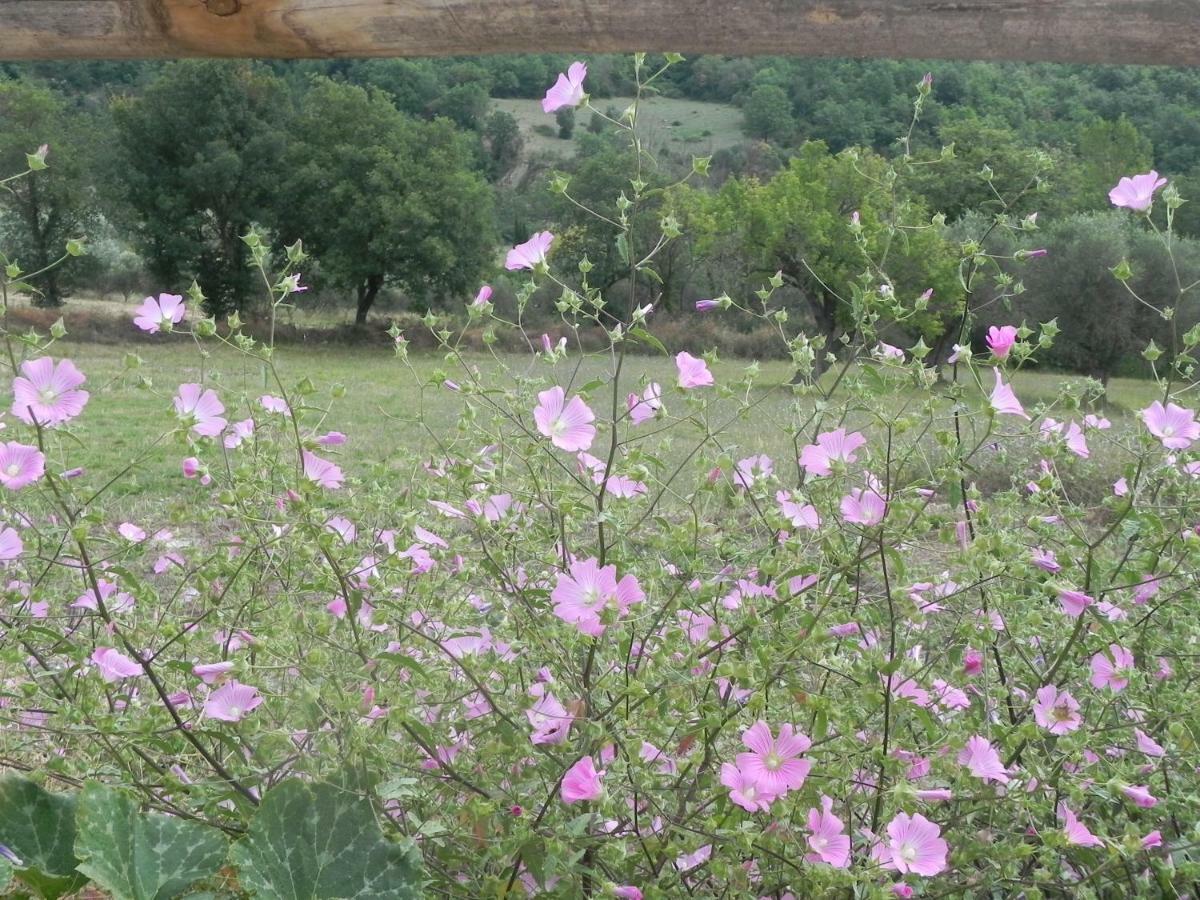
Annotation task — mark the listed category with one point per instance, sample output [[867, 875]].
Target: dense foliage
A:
[[592, 648]]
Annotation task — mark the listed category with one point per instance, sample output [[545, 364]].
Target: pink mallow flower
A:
[[114, 665], [827, 840], [582, 782], [200, 410], [864, 507], [161, 314], [1136, 193], [914, 845], [830, 446], [232, 702], [549, 719], [11, 545], [1175, 426], [1074, 602], [1140, 795], [744, 789], [1004, 401], [20, 465], [530, 254], [1077, 833], [644, 408], [796, 511], [693, 372], [322, 472], [774, 762], [583, 596], [1056, 711], [567, 424], [1000, 340], [48, 393], [1112, 669], [982, 759], [567, 90]]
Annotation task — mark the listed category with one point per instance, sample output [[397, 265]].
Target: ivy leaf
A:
[[142, 856], [39, 828], [316, 841]]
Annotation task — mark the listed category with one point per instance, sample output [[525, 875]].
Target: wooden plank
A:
[[1095, 31]]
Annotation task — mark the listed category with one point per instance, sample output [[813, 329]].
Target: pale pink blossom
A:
[[211, 673], [796, 511], [1148, 745], [831, 446], [274, 404], [483, 298], [322, 472], [1175, 426], [549, 719], [114, 665], [1004, 401], [231, 702], [983, 760], [1000, 340], [161, 314], [1140, 795], [11, 545], [1112, 669], [567, 90], [1077, 833], [1136, 193], [193, 468], [530, 254], [20, 465], [199, 409], [744, 789], [239, 432], [48, 393], [568, 424], [1056, 710], [774, 762], [914, 845], [131, 532], [1046, 560], [582, 782], [588, 592], [693, 372], [1074, 602], [864, 507], [827, 837], [331, 439], [644, 408]]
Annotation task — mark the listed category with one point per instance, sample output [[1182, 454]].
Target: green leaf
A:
[[6, 873], [39, 828], [315, 841], [142, 856], [646, 337]]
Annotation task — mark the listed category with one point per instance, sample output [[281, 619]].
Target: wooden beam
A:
[[1093, 31]]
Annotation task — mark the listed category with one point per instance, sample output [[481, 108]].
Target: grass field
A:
[[391, 409], [677, 126]]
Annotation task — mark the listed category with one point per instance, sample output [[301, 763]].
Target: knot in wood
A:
[[223, 7]]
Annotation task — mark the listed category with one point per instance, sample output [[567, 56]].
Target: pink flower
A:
[[161, 314], [744, 789], [1074, 602], [483, 297], [567, 424], [192, 467], [114, 665], [935, 795], [568, 90], [1112, 669], [274, 404], [211, 673], [774, 763], [47, 393], [530, 254], [627, 892], [200, 410], [647, 407], [914, 845], [549, 719], [864, 507], [796, 511], [583, 596], [1004, 401], [887, 351], [830, 446], [1056, 711], [983, 760], [752, 469], [1147, 744], [11, 545], [1136, 193], [972, 662], [1000, 340], [20, 465], [1076, 832], [232, 702], [238, 433], [322, 472], [693, 372], [1175, 426], [1152, 840], [1140, 795], [131, 532], [827, 839], [582, 782], [331, 439]]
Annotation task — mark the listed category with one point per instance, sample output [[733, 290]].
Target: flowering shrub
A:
[[588, 648]]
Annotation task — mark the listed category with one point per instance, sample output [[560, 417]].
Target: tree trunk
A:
[[367, 291]]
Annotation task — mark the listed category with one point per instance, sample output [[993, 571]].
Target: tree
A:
[[42, 211], [379, 197], [502, 144], [768, 114], [196, 159], [1107, 151], [565, 119]]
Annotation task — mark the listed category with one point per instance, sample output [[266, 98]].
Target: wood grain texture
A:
[[1097, 31]]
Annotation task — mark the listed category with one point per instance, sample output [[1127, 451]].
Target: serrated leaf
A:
[[39, 828], [317, 842], [141, 856]]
